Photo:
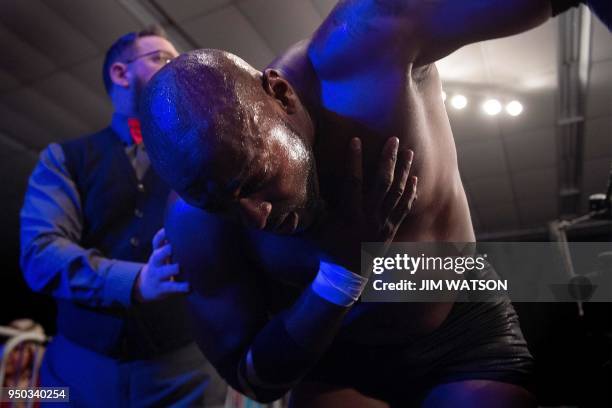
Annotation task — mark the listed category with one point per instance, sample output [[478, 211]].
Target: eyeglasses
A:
[[157, 56]]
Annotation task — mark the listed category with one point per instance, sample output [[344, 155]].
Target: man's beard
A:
[[137, 90]]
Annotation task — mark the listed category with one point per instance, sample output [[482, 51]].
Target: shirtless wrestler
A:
[[274, 296]]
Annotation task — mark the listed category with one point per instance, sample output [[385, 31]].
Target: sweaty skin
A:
[[291, 262], [375, 91], [367, 72], [420, 122]]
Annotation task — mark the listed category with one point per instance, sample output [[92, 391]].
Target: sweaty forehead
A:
[[205, 121], [228, 170]]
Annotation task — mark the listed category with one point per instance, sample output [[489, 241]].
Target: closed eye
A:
[[251, 187]]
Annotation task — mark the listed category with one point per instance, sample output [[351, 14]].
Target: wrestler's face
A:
[[269, 184], [280, 193], [251, 157]]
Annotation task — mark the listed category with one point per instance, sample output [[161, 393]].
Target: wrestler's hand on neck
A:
[[372, 217]]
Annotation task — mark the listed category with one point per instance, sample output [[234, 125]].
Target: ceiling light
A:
[[492, 107], [514, 108], [459, 101]]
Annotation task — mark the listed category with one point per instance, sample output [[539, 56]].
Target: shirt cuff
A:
[[119, 283]]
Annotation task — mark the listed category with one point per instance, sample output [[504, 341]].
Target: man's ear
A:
[[278, 87], [119, 74]]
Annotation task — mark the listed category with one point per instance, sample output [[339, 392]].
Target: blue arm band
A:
[[337, 284]]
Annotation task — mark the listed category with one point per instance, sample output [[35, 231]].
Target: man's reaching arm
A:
[[54, 262], [260, 357], [51, 259]]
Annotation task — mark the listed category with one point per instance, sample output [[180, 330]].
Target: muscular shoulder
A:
[[360, 33]]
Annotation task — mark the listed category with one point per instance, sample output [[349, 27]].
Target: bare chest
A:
[[407, 105]]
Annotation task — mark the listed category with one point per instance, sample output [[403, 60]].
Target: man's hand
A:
[[156, 279], [375, 217]]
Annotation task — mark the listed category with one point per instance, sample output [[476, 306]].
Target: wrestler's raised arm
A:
[[263, 357], [423, 31]]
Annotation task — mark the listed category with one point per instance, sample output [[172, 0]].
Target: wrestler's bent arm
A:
[[423, 31], [260, 356], [229, 316]]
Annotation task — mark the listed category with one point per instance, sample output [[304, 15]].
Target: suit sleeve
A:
[[51, 258]]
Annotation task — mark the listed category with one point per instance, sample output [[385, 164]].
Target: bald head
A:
[[197, 116], [222, 134]]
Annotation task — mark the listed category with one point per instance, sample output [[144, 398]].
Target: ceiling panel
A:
[[102, 22], [539, 111], [55, 120], [598, 138], [9, 146], [538, 184], [602, 43], [14, 173], [595, 176], [599, 96], [520, 61], [7, 81], [489, 191], [464, 66], [537, 213], [183, 10], [22, 129], [90, 74], [483, 159], [229, 30], [20, 60], [502, 217], [39, 26], [280, 22], [470, 125], [531, 149], [74, 97], [324, 6]]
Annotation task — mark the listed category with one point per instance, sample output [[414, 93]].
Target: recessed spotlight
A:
[[459, 101], [514, 108], [492, 107], [443, 96]]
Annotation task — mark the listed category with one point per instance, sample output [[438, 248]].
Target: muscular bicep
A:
[[225, 309], [358, 33]]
